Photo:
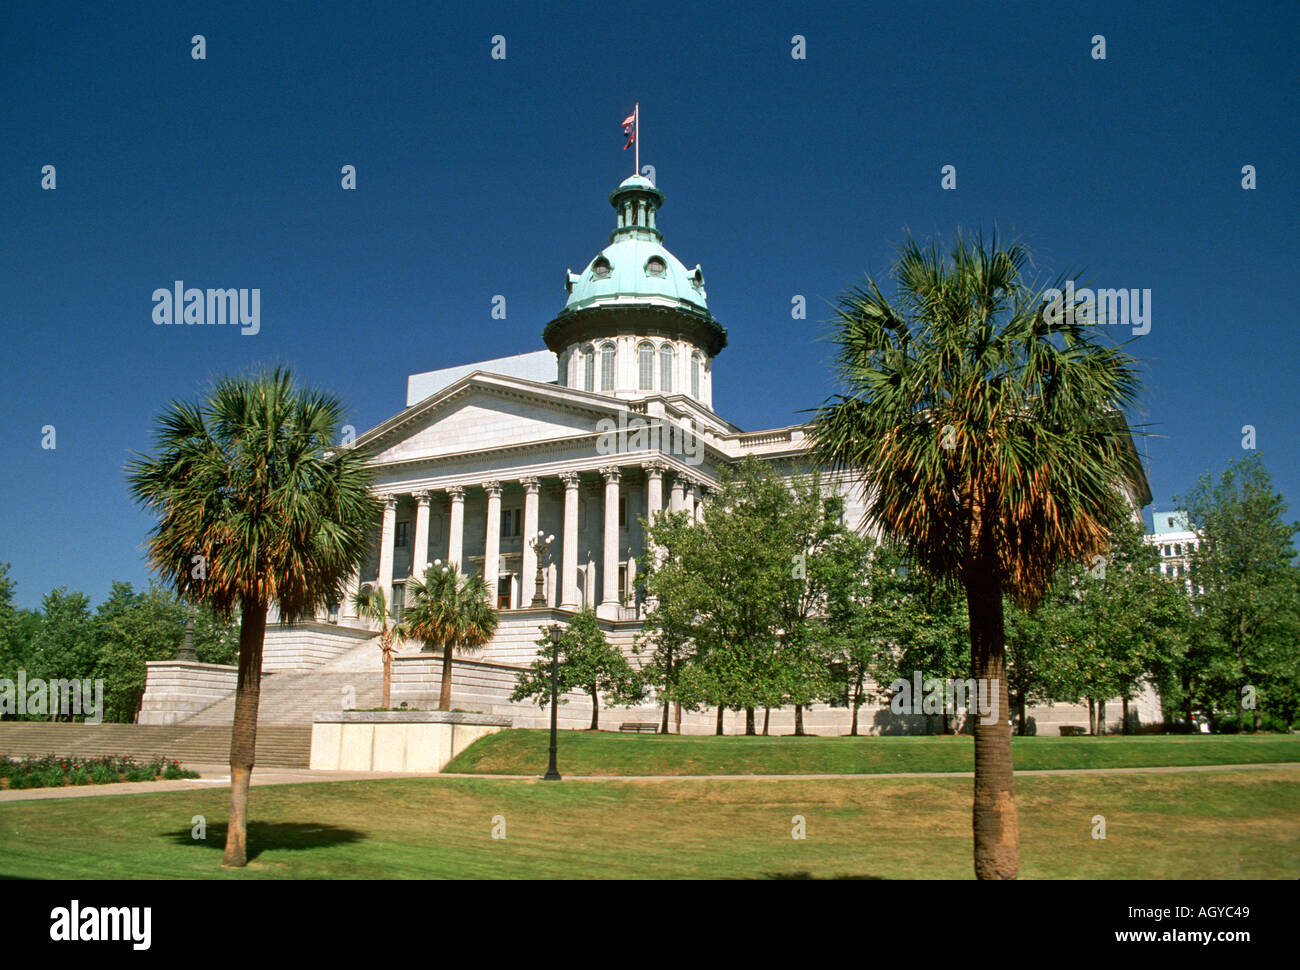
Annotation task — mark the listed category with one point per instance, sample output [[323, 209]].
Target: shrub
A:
[[102, 774]]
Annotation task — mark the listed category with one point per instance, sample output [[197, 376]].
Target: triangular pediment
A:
[[485, 412]]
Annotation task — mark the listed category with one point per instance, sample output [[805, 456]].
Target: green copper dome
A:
[[635, 267], [635, 285]]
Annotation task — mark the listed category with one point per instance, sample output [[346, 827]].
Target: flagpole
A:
[[636, 131]]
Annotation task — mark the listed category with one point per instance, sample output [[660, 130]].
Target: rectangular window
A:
[[399, 599], [607, 368], [512, 523], [646, 367], [622, 582], [503, 593], [622, 513], [403, 537]]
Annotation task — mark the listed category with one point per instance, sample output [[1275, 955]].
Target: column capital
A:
[[570, 479], [456, 493], [654, 469], [390, 502], [422, 497], [611, 473], [531, 484], [492, 488]]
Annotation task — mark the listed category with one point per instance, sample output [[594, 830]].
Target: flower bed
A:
[[52, 771]]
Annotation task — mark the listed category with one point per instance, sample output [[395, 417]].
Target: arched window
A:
[[588, 369], [645, 366], [607, 367], [695, 376], [666, 368]]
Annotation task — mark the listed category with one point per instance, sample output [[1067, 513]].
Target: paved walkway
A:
[[218, 776]]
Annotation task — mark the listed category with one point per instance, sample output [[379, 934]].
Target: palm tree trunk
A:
[[243, 735], [388, 680], [720, 710], [444, 695], [750, 730], [996, 827]]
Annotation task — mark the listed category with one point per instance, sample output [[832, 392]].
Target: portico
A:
[[482, 526]]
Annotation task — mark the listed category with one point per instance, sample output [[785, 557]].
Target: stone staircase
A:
[[292, 697], [278, 746]]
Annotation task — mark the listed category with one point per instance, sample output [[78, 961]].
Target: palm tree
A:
[[451, 610], [372, 604], [990, 444], [255, 506]]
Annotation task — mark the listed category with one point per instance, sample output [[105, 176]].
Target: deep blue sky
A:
[[479, 177]]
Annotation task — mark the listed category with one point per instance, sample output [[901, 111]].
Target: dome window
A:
[[697, 279], [600, 268], [655, 266]]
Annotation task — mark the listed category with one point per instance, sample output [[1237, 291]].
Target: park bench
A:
[[640, 727]]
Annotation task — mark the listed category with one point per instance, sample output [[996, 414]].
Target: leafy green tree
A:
[[989, 439], [736, 596], [63, 645], [863, 581], [130, 630], [256, 506], [8, 617], [1041, 666], [452, 610], [133, 628], [668, 643], [588, 662], [1245, 640]]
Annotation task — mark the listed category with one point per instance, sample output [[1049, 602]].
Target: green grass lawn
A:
[[1220, 824], [522, 752]]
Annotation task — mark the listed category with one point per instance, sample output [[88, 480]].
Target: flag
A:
[[629, 129]]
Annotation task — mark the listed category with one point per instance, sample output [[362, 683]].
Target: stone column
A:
[[492, 541], [654, 489], [528, 569], [420, 552], [386, 538], [677, 497], [456, 527], [569, 567], [697, 502], [609, 567]]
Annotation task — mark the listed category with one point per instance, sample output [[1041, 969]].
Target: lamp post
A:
[[541, 544], [552, 773]]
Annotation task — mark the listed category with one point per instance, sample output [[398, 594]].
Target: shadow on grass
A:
[[265, 836], [809, 875]]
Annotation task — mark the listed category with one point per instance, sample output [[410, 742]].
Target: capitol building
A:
[[609, 424]]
